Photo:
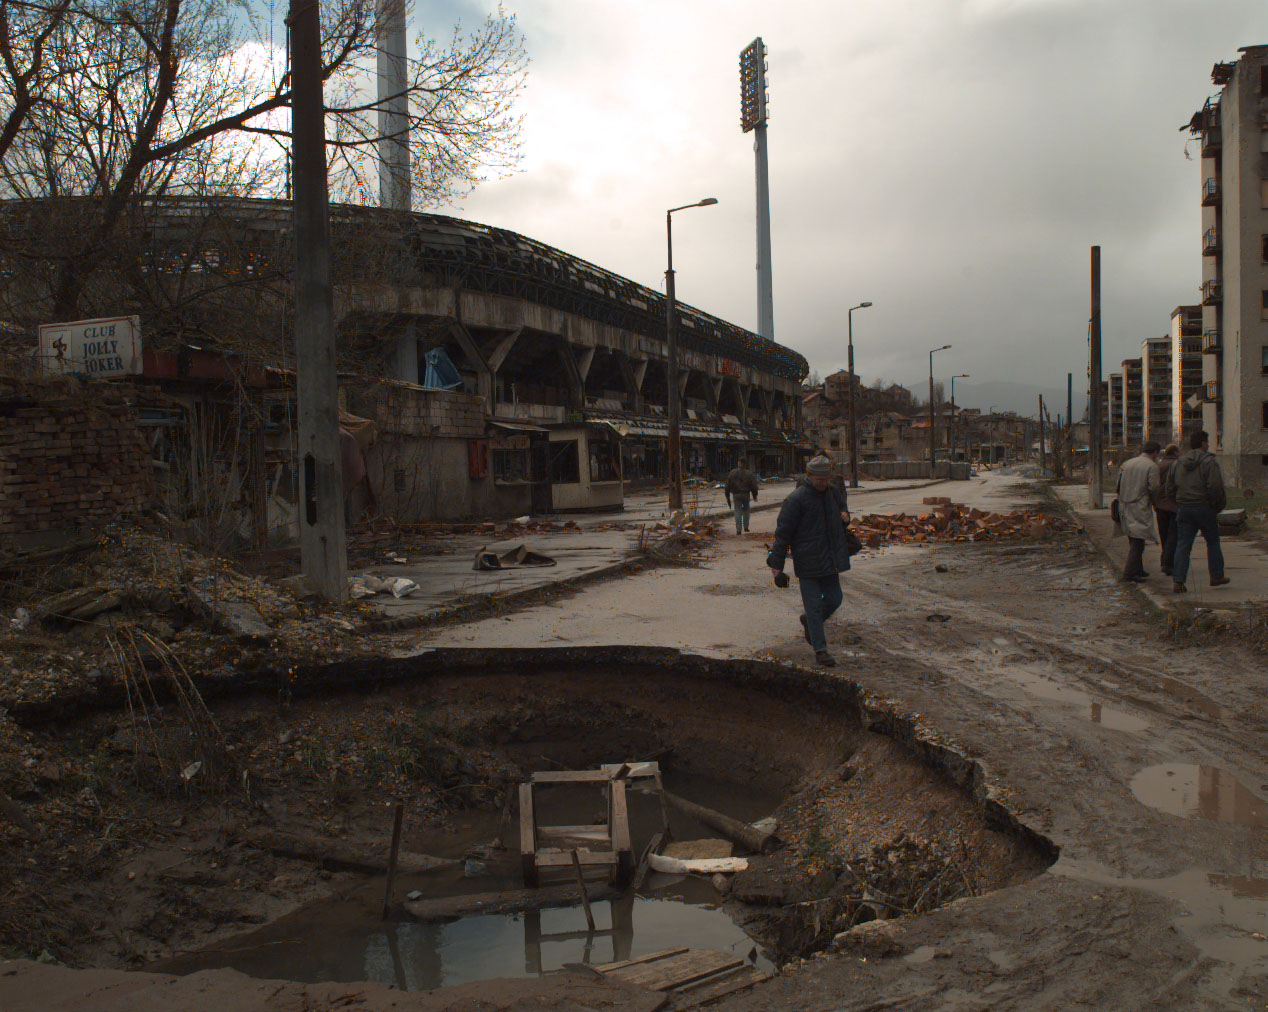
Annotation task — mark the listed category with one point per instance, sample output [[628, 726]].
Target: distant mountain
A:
[[1022, 398]]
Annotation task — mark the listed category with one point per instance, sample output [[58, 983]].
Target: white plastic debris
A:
[[191, 771], [766, 825], [400, 586], [357, 588], [21, 619], [699, 865]]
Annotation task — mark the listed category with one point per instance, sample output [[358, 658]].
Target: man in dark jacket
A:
[[740, 484], [812, 524], [1165, 509], [1197, 486]]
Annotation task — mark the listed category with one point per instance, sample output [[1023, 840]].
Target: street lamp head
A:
[[962, 376], [863, 305], [707, 201]]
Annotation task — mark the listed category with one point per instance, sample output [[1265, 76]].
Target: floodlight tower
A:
[[753, 117]]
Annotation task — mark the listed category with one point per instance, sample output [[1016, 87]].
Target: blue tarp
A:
[[441, 373]]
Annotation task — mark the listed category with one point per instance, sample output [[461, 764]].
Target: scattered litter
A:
[[191, 771], [766, 825], [368, 585], [940, 568], [936, 617], [513, 558], [473, 868], [681, 538], [21, 619], [414, 894]]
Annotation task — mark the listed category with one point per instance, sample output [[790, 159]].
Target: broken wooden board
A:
[[509, 901], [705, 991], [673, 971]]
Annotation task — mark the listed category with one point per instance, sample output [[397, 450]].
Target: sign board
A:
[[101, 348], [727, 367]]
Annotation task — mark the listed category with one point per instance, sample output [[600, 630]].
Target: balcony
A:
[[1210, 341], [1211, 292], [1210, 242], [1210, 127], [1211, 390], [1211, 192]]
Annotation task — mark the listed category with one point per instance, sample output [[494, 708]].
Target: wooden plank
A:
[[571, 777], [635, 770], [597, 833], [705, 991], [506, 902], [619, 825], [548, 857], [650, 957], [528, 836], [678, 970]]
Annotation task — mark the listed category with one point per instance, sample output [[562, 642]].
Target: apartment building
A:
[[1233, 128], [1133, 403], [1155, 358], [1186, 372], [1115, 412]]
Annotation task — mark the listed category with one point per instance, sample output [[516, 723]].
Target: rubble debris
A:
[[515, 557], [954, 522], [235, 617], [682, 538], [699, 865], [368, 585]]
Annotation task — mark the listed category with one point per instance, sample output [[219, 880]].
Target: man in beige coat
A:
[[1138, 488]]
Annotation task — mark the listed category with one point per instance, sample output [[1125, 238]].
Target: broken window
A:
[[511, 465], [1263, 359], [1264, 419], [565, 463]]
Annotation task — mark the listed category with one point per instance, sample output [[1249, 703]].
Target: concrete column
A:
[[633, 379], [576, 385], [475, 357]]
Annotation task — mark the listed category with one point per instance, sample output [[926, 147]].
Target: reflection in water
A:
[[421, 956], [1206, 791], [1240, 885]]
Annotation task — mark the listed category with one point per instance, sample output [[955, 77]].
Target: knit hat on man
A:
[[819, 465]]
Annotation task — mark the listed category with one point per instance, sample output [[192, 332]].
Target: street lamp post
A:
[[671, 353], [933, 425], [955, 418], [990, 429], [854, 429]]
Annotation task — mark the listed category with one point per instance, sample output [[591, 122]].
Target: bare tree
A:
[[25, 29], [147, 99]]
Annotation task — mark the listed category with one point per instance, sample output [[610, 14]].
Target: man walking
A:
[[1137, 492], [1166, 509], [740, 484], [1197, 486], [812, 525]]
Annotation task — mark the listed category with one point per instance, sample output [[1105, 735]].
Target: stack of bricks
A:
[[70, 462], [406, 410]]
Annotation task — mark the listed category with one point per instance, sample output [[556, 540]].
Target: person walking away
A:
[[811, 526], [1197, 485], [1166, 509], [740, 484], [1138, 490]]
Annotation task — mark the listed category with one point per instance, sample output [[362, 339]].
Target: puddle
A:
[[1186, 694], [1040, 686], [419, 957], [1219, 913], [1208, 792]]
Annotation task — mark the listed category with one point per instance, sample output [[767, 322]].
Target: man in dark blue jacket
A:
[[812, 524]]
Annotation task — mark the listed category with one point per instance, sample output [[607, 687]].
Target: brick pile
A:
[[404, 409], [950, 521], [70, 457]]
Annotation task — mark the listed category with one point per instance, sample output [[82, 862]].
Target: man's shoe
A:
[[1179, 588], [1142, 575], [824, 658], [1166, 570], [1220, 581], [1133, 579], [805, 630]]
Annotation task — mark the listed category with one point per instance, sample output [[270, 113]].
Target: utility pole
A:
[[1043, 449], [1069, 423], [323, 551], [1096, 449]]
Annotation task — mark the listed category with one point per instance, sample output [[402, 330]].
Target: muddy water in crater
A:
[[1205, 791], [344, 940]]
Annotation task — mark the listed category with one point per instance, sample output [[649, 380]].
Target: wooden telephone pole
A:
[[1096, 449]]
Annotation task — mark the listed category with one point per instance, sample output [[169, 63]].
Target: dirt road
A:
[[1145, 760]]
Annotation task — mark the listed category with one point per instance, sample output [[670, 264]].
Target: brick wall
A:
[[407, 410], [69, 455]]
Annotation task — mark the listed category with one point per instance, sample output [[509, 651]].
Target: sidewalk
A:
[[1245, 563], [605, 545]]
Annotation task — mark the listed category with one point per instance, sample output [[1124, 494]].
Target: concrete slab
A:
[[1245, 562]]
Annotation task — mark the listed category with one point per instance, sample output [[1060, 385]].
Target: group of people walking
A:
[[1169, 500]]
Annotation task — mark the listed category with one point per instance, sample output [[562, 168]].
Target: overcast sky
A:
[[951, 161]]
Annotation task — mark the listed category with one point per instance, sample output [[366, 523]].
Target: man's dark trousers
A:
[[1167, 536], [1189, 521], [820, 596], [1135, 559]]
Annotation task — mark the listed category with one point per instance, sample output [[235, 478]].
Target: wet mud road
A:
[[1144, 759]]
